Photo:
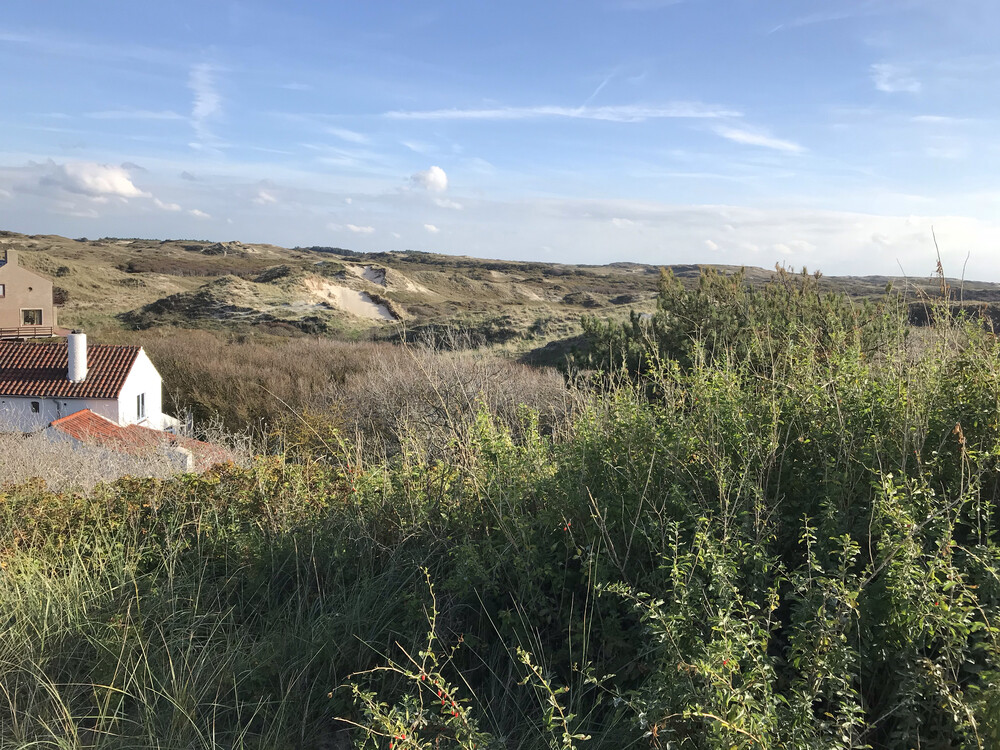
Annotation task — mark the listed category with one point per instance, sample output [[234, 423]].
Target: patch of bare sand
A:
[[387, 279], [349, 300]]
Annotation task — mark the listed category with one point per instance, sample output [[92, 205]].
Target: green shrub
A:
[[725, 317], [796, 550]]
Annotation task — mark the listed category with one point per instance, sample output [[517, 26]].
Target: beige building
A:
[[25, 299]]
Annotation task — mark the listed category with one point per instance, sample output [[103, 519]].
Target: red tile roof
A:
[[93, 429], [41, 370]]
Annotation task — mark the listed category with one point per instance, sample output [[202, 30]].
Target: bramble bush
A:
[[781, 540]]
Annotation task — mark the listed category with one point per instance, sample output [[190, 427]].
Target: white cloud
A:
[[294, 86], [348, 201], [350, 157], [199, 214], [134, 114], [622, 223], [396, 235], [894, 79], [433, 179], [264, 198], [359, 230], [711, 245], [89, 178], [71, 209], [166, 206], [348, 135], [418, 147], [625, 113], [752, 138], [431, 228], [207, 103], [445, 203], [947, 148], [941, 120]]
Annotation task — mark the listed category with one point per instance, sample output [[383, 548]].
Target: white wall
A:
[[143, 379], [16, 414]]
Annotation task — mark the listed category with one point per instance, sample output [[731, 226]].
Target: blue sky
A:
[[832, 134]]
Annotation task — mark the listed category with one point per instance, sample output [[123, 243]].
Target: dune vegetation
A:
[[766, 520]]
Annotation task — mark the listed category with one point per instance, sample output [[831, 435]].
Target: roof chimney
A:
[[76, 344]]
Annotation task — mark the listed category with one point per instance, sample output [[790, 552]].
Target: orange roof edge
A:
[[77, 414], [87, 427]]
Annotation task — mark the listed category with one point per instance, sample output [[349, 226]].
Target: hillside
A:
[[114, 284]]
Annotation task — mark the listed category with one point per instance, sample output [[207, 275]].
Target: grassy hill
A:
[[113, 285]]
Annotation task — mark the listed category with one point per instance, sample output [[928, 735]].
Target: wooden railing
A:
[[26, 332]]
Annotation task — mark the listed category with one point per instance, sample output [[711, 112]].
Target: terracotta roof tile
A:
[[93, 429], [41, 370]]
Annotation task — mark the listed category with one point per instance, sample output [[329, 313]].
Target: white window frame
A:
[[140, 406]]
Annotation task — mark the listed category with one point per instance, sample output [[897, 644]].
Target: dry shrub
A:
[[251, 382], [424, 398], [72, 466], [323, 390]]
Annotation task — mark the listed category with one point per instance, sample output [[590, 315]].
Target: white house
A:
[[41, 383]]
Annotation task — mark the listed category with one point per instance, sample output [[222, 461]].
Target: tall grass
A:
[[793, 547]]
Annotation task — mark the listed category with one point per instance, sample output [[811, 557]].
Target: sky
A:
[[840, 135]]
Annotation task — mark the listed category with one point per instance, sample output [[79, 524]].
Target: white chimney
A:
[[76, 343]]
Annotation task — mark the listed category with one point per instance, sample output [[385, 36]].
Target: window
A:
[[3, 291], [35, 407], [140, 406], [31, 317]]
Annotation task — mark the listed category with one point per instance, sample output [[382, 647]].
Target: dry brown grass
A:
[[381, 392], [251, 382], [68, 466], [419, 396]]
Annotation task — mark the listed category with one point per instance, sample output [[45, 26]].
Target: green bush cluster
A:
[[726, 317], [791, 544]]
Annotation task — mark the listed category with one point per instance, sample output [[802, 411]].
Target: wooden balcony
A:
[[31, 332]]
